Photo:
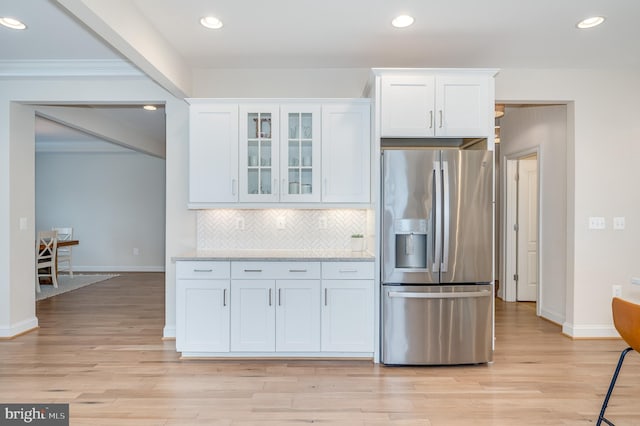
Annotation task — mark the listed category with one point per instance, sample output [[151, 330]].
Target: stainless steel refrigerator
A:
[[437, 256]]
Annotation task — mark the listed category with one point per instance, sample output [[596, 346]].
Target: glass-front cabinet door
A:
[[259, 139], [300, 153]]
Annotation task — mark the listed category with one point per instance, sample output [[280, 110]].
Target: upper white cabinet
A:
[[213, 153], [300, 152], [346, 153], [418, 105], [259, 152]]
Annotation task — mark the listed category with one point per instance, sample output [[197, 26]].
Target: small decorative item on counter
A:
[[357, 242]]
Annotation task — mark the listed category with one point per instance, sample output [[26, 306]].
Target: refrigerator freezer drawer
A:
[[437, 325]]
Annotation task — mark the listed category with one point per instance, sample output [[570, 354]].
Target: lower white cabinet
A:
[[202, 306], [281, 316], [296, 308]]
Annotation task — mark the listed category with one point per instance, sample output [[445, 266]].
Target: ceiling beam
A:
[[120, 24], [102, 126]]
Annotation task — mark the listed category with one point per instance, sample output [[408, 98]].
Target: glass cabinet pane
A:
[[300, 153], [259, 153]]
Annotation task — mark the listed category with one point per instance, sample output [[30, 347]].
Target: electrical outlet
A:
[[322, 222], [616, 291], [240, 223], [280, 222], [618, 223], [136, 251]]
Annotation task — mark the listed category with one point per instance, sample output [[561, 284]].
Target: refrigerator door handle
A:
[[446, 211], [437, 215], [421, 295]]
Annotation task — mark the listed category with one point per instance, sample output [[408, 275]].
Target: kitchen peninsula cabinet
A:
[[436, 103], [279, 153]]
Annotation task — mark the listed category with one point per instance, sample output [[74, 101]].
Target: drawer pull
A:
[[203, 270], [297, 270], [348, 270], [253, 270]]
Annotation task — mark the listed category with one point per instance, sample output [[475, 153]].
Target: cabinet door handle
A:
[[283, 189], [431, 119], [441, 119], [297, 270], [279, 297], [233, 187], [275, 186], [203, 270], [269, 297], [325, 297], [253, 270], [224, 297]]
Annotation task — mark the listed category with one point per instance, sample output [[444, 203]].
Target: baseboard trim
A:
[[118, 268], [169, 332], [589, 331], [554, 317], [20, 328]]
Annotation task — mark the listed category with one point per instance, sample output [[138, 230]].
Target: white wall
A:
[[544, 128], [17, 183], [114, 202], [603, 152]]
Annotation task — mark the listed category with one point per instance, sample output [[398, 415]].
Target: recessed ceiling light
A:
[[150, 107], [211, 22], [12, 23], [402, 21], [594, 21]]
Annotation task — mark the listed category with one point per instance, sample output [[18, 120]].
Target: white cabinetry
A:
[[213, 153], [277, 309], [347, 309], [260, 153], [346, 150], [202, 306], [440, 105]]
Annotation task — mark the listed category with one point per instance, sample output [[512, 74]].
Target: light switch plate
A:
[[597, 222]]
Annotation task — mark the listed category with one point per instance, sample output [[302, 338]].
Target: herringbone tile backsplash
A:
[[281, 229]]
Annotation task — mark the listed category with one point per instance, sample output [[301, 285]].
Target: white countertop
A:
[[281, 255]]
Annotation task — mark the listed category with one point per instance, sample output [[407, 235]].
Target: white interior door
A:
[[527, 286]]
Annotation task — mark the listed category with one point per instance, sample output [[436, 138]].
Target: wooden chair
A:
[[46, 251], [64, 253], [626, 318]]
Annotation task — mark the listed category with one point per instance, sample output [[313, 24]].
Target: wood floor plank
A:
[[99, 348]]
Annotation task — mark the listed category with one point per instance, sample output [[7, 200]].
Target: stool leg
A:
[[601, 418]]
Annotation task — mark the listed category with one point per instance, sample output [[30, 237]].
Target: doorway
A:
[[521, 228]]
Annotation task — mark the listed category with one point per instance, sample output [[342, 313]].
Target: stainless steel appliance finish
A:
[[437, 230], [437, 325]]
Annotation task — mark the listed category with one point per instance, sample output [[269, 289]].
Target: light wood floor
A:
[[99, 348]]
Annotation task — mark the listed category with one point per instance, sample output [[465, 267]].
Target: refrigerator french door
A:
[[437, 254]]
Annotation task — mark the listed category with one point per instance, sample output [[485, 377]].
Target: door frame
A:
[[509, 211]]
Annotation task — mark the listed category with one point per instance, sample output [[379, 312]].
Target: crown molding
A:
[[68, 68]]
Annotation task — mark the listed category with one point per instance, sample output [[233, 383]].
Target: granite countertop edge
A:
[[277, 255]]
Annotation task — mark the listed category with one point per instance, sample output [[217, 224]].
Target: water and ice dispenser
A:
[[411, 243]]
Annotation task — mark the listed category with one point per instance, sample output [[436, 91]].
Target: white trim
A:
[[21, 327], [128, 268], [364, 355], [552, 316], [589, 330], [169, 331], [68, 68], [89, 146]]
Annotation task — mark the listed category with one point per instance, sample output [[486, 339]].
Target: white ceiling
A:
[[325, 34]]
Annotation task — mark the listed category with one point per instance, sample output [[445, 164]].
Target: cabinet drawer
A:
[[275, 270], [202, 269], [347, 270]]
